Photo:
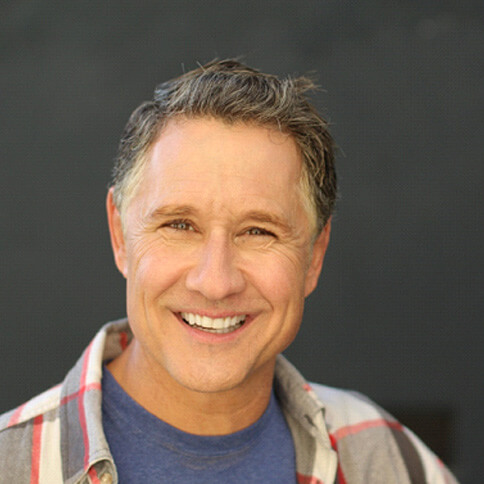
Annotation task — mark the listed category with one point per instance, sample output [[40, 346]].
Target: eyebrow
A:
[[258, 216], [266, 217], [171, 211]]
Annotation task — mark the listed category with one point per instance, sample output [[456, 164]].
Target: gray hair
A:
[[233, 92]]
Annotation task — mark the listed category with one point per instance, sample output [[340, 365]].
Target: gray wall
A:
[[398, 311]]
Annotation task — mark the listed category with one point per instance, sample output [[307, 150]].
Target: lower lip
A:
[[213, 338]]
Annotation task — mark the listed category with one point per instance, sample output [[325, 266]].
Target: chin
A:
[[208, 380]]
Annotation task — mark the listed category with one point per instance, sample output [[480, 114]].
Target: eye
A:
[[259, 231], [182, 225]]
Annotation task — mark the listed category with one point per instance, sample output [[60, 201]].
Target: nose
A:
[[215, 274]]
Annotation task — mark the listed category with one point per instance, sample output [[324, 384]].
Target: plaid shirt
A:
[[339, 436]]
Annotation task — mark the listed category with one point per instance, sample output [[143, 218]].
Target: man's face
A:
[[217, 254]]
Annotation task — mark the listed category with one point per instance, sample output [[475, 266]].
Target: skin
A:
[[217, 227]]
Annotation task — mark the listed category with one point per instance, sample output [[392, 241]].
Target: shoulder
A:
[[108, 342], [347, 407], [352, 419], [41, 404], [32, 432], [372, 446], [22, 429], [366, 436]]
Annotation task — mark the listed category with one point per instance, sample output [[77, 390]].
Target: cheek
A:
[[280, 279], [152, 270]]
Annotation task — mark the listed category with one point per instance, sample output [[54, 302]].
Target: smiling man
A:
[[220, 217], [215, 244]]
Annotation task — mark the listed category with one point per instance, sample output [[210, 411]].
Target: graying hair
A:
[[233, 92]]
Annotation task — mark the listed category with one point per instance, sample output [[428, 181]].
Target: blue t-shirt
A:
[[147, 450]]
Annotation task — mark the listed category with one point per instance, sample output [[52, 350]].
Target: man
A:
[[220, 216]]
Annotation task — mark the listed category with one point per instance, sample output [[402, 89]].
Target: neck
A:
[[200, 413]]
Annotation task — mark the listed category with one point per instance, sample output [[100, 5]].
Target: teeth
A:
[[217, 325]]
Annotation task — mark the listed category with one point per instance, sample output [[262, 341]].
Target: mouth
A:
[[213, 325]]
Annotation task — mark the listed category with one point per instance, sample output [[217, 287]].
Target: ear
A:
[[317, 258], [116, 233]]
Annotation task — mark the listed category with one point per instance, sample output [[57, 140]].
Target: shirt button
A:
[[106, 478]]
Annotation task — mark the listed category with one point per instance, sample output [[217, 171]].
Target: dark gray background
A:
[[398, 312]]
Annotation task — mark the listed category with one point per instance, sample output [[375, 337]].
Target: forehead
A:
[[221, 152], [194, 139]]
